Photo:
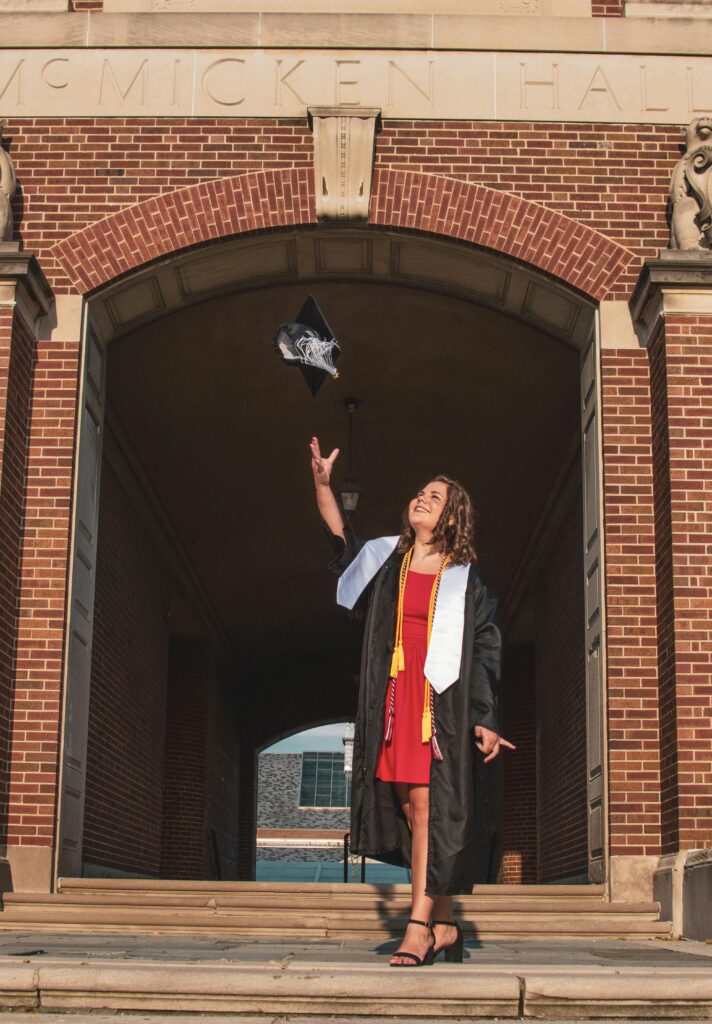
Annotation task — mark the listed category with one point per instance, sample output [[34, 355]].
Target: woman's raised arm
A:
[[326, 502]]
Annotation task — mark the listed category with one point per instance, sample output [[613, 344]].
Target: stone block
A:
[[631, 878], [174, 29], [31, 868], [682, 884], [697, 895], [18, 986]]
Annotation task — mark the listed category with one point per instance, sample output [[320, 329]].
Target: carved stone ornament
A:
[[8, 186], [344, 142], [691, 190]]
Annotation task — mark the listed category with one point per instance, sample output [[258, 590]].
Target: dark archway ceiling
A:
[[221, 428]]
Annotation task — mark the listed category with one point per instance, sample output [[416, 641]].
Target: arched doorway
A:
[[491, 349]]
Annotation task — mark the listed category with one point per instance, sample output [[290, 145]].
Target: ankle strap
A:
[[444, 922], [412, 920]]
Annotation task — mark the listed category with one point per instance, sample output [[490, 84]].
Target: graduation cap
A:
[[309, 343]]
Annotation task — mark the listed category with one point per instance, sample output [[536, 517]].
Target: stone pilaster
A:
[[672, 308], [25, 297]]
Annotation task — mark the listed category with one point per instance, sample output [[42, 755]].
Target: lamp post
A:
[[350, 490]]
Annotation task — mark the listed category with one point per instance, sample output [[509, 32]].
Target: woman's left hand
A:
[[489, 742]]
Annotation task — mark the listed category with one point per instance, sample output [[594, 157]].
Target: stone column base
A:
[[631, 878], [26, 869], [682, 883]]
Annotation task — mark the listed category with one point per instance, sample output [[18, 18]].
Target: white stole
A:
[[442, 664]]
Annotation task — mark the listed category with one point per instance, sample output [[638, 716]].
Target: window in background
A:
[[324, 781]]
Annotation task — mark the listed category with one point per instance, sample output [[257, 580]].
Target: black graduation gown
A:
[[378, 828]]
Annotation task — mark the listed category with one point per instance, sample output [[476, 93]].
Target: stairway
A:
[[316, 910]]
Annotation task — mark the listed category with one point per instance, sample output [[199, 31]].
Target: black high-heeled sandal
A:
[[453, 952], [417, 961]]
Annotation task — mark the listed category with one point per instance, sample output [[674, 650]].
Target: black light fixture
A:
[[350, 490]]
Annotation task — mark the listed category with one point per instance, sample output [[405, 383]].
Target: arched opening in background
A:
[[303, 810]]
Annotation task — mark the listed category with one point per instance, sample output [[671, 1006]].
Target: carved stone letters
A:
[[690, 190], [343, 160]]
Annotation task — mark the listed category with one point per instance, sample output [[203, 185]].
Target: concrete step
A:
[[345, 904], [319, 910], [331, 924], [365, 890], [522, 991]]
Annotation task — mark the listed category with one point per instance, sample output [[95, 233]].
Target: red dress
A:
[[406, 758]]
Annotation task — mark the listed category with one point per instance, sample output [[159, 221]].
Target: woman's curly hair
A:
[[456, 540]]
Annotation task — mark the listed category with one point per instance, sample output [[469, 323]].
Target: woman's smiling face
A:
[[425, 508]]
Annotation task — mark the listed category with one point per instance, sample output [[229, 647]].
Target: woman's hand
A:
[[326, 502], [490, 742], [321, 467]]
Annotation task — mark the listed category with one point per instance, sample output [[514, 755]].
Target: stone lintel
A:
[[402, 30], [678, 281], [23, 283]]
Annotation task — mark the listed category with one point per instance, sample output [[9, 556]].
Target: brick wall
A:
[[561, 705], [665, 611], [584, 171], [127, 710], [631, 608], [222, 798], [681, 368], [607, 8], [200, 796], [43, 587], [518, 713], [184, 831], [17, 350], [588, 172], [279, 779]]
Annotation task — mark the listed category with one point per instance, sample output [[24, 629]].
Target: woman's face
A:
[[425, 508]]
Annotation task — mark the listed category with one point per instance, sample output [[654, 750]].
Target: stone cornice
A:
[[531, 34], [21, 277], [676, 282]]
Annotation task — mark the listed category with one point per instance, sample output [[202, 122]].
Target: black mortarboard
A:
[[309, 343]]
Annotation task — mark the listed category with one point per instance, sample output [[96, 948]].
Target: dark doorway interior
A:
[[215, 625]]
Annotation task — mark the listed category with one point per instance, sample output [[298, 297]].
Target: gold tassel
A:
[[398, 659], [427, 724]]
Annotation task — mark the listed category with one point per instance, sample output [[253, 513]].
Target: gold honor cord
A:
[[398, 660]]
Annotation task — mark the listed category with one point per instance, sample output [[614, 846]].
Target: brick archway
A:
[[574, 254], [121, 246]]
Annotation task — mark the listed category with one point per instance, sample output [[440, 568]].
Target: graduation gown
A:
[[378, 827]]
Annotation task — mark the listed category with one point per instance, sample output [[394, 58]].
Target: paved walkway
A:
[[34, 946], [377, 873], [229, 1018], [148, 975]]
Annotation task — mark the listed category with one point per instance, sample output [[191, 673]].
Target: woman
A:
[[429, 672]]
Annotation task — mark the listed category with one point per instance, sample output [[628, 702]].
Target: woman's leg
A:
[[415, 802], [442, 911]]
